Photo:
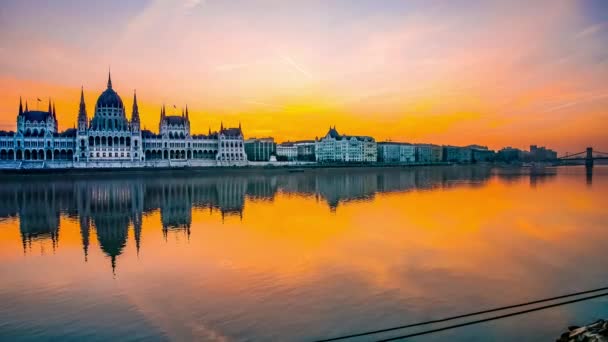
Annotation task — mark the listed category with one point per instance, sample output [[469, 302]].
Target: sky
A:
[[494, 73]]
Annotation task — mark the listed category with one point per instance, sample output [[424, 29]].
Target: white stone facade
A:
[[334, 147], [393, 152], [110, 140], [287, 151]]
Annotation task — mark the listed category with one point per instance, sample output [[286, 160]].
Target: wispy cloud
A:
[[577, 102], [287, 60], [591, 30]]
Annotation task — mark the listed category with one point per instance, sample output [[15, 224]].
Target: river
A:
[[279, 256]]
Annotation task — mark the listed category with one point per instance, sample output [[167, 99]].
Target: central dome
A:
[[109, 98]]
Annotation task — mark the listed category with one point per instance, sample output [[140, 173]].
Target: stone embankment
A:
[[595, 332]]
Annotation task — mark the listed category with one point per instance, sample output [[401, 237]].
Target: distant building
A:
[[456, 154], [395, 152], [482, 155], [428, 153], [306, 150], [334, 147], [541, 153], [260, 149], [509, 154], [287, 151]]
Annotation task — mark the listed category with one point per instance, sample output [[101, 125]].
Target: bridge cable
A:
[[571, 155], [450, 318], [493, 318]]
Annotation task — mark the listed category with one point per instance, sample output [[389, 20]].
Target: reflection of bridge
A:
[[588, 156]]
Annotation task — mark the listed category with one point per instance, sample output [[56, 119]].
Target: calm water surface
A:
[[297, 256]]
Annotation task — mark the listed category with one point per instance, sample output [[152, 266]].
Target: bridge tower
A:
[[589, 158]]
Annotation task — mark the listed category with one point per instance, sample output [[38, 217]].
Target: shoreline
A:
[[268, 168], [212, 169]]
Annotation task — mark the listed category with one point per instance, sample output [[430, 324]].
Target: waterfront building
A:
[[541, 153], [509, 154], [428, 153], [110, 139], [334, 147], [287, 151], [260, 149], [482, 155], [396, 152], [306, 150], [456, 154]]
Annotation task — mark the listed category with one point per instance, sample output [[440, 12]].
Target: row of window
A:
[[155, 144], [231, 144], [110, 155]]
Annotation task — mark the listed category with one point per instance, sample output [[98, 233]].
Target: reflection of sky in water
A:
[[281, 256]]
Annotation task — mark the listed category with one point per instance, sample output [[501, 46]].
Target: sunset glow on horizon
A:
[[495, 73]]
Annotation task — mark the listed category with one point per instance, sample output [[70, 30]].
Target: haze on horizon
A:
[[497, 73]]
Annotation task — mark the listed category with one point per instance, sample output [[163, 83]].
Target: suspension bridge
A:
[[589, 156]]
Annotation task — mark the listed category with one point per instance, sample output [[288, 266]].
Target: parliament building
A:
[[110, 140]]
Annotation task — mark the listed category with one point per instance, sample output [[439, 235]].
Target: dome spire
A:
[[109, 79]]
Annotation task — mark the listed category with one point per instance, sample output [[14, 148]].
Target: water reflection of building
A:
[[111, 205], [110, 208], [38, 209], [176, 207]]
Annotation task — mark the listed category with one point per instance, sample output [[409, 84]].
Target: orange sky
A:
[[499, 73]]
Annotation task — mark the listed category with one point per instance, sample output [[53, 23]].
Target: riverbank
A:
[[266, 167]]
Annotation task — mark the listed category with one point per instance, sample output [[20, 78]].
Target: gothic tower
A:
[[135, 123]]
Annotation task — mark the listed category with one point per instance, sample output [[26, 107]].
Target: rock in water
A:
[[595, 332]]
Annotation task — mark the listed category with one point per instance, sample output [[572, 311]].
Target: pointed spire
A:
[[209, 130], [50, 109], [54, 111], [109, 79], [82, 111], [183, 115], [187, 117], [222, 126], [26, 110], [20, 106], [113, 266], [135, 114], [239, 125]]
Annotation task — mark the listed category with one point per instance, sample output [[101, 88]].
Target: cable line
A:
[[492, 318], [445, 319]]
